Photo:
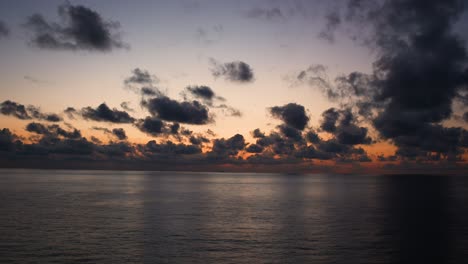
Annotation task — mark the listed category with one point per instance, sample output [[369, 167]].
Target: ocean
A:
[[116, 217]]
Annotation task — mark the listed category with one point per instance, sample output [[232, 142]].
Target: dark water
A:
[[166, 217]]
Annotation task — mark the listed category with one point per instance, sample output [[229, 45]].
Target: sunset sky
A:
[[349, 86]]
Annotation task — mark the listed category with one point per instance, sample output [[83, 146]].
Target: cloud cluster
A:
[[20, 111], [103, 113], [419, 72], [236, 71], [54, 131], [80, 28], [188, 112]]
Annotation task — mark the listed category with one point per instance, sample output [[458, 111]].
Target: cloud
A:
[[208, 97], [70, 112], [26, 112], [141, 81], [140, 76], [270, 14], [227, 147], [236, 71], [104, 114], [80, 29], [257, 133], [52, 131], [291, 114], [333, 20], [4, 30], [183, 112], [36, 113], [119, 133], [126, 106], [419, 72], [153, 149], [201, 92], [14, 109], [7, 140], [151, 125], [254, 148]]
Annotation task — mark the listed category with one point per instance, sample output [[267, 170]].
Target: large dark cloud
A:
[[419, 72], [104, 114], [26, 112], [188, 112], [80, 28], [292, 114], [236, 71], [4, 30]]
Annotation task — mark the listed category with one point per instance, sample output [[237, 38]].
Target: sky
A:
[[344, 86]]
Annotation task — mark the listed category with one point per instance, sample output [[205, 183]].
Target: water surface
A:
[[168, 217]]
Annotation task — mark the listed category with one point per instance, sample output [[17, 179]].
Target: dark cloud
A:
[[228, 147], [140, 76], [292, 114], [4, 30], [257, 133], [202, 92], [104, 114], [183, 112], [419, 72], [198, 140], [119, 133], [330, 117], [290, 132], [151, 125], [14, 109], [254, 148], [36, 113], [152, 148], [271, 14], [7, 140], [174, 128], [80, 29], [70, 112], [149, 91], [312, 137], [236, 71], [144, 83], [342, 124], [26, 112], [52, 131]]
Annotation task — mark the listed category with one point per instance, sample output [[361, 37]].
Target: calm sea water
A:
[[168, 217]]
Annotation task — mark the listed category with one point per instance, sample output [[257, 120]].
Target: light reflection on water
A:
[[168, 217]]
